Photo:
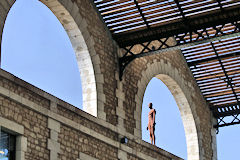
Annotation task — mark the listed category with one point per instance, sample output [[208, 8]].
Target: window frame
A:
[[17, 130]]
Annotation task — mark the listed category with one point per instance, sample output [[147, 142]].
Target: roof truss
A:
[[206, 31]]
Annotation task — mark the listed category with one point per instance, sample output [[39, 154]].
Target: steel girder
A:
[[199, 30]]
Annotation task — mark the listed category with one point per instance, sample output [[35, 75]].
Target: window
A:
[[7, 146]]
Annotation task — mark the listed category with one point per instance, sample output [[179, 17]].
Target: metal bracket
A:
[[123, 62]]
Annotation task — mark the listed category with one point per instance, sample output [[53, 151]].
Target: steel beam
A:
[[128, 58], [180, 46], [226, 124], [141, 13], [231, 14], [226, 110], [222, 112]]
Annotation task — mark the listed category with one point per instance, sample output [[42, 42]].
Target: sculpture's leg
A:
[[152, 135], [150, 132]]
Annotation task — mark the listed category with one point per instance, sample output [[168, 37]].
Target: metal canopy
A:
[[130, 16], [216, 68], [206, 31]]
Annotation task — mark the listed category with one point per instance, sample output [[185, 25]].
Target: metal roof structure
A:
[[206, 31]]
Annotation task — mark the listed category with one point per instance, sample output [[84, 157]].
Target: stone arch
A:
[[88, 61], [181, 90]]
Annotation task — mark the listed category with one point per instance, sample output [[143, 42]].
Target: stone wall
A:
[[61, 131], [172, 69]]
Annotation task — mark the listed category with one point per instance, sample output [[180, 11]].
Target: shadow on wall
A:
[[169, 131], [37, 49]]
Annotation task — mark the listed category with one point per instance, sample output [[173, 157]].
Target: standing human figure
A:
[[151, 123]]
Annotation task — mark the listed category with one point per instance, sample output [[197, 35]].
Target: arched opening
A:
[[33, 29], [190, 128], [169, 130]]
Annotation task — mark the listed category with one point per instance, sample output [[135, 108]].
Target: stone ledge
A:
[[51, 98], [155, 148], [11, 126]]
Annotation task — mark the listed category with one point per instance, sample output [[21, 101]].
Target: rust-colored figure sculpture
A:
[[151, 123]]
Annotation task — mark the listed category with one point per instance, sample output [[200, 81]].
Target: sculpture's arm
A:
[[154, 112]]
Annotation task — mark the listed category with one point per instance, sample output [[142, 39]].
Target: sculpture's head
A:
[[150, 105]]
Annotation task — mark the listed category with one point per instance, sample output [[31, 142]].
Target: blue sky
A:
[[36, 48]]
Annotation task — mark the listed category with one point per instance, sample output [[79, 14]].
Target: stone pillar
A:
[[122, 155], [120, 111], [21, 147], [214, 140], [83, 156], [53, 145]]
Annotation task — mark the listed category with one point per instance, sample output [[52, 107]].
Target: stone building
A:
[[43, 127]]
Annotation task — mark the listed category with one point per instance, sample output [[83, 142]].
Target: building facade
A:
[[44, 127]]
